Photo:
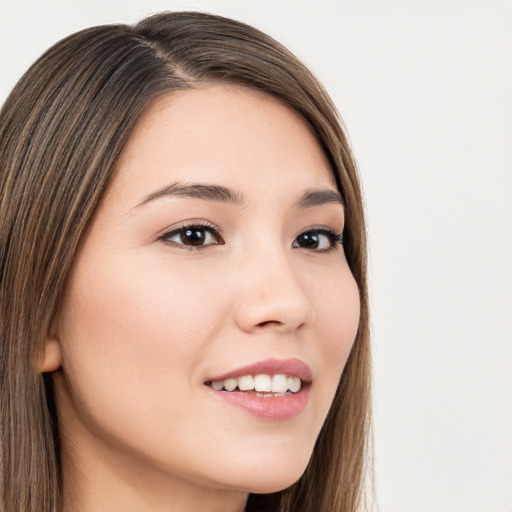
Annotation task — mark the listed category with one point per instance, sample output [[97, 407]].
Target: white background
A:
[[425, 89]]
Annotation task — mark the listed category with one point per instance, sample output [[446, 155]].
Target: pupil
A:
[[193, 237], [309, 240]]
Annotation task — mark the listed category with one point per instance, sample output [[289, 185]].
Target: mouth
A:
[[272, 390], [259, 385]]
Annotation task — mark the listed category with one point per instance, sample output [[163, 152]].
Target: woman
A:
[[183, 295]]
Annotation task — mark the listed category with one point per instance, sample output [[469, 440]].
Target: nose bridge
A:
[[271, 292]]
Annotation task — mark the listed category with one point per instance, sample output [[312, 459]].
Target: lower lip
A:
[[272, 408]]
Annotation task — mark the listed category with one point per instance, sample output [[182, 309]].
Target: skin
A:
[[146, 321]]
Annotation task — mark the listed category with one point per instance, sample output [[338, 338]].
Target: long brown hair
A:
[[62, 130]]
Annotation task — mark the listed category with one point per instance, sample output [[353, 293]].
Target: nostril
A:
[[269, 322]]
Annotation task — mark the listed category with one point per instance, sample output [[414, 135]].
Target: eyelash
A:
[[197, 226], [335, 239]]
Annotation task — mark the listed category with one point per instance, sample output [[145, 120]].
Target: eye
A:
[[193, 236], [321, 240]]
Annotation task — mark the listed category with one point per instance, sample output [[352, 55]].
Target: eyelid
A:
[[321, 228]]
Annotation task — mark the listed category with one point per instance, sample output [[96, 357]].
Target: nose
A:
[[271, 296]]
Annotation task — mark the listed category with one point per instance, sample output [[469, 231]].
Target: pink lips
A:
[[272, 408], [290, 367]]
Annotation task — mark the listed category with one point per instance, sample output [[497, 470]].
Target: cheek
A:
[[131, 344], [127, 310], [337, 321], [340, 318]]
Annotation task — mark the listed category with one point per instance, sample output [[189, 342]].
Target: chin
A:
[[268, 486], [272, 475]]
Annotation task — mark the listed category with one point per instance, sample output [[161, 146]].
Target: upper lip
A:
[[290, 367]]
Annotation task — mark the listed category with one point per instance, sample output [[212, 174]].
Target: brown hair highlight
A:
[[62, 130]]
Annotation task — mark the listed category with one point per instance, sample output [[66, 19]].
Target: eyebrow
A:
[[312, 198], [206, 192], [220, 194]]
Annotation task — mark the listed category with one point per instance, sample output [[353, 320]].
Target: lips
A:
[[290, 367], [274, 389]]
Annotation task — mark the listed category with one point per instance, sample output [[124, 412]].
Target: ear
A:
[[51, 357]]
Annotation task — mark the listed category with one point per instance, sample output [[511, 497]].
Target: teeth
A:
[[245, 383], [230, 384], [279, 384], [263, 383], [295, 386]]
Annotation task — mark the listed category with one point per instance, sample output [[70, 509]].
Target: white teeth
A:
[[278, 384], [246, 383], [218, 385], [263, 383], [296, 383], [230, 384]]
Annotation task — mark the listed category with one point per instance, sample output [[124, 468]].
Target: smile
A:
[[263, 384], [273, 389]]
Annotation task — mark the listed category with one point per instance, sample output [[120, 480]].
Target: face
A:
[[213, 263]]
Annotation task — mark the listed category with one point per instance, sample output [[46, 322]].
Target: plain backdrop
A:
[[425, 90]]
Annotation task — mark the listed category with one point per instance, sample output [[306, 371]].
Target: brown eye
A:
[[318, 240], [193, 236]]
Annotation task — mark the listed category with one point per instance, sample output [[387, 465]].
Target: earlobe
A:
[[51, 358]]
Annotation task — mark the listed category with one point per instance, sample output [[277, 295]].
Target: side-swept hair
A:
[[62, 130]]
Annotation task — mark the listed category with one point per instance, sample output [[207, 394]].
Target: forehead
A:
[[222, 134]]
